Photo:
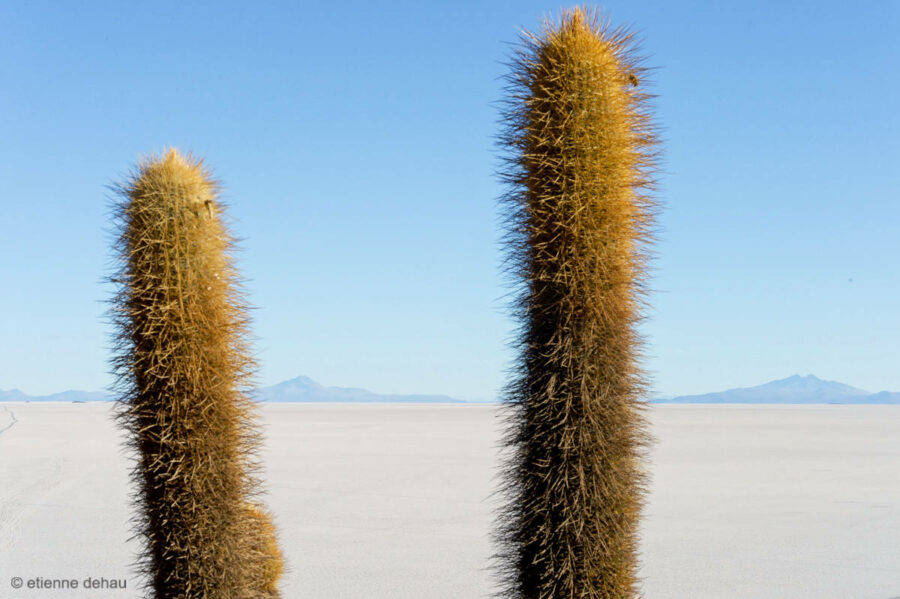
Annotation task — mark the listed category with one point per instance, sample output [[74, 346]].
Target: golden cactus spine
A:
[[263, 549], [184, 367], [580, 156]]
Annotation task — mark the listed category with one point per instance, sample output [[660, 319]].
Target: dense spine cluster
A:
[[264, 550], [184, 369], [579, 167]]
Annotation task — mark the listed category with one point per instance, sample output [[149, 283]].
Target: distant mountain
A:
[[300, 389], [795, 389], [884, 397], [304, 389], [792, 390], [71, 396]]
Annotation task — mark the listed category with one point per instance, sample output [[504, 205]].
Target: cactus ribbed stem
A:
[[184, 367], [579, 166]]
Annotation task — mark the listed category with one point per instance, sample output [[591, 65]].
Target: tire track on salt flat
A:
[[12, 420], [18, 496]]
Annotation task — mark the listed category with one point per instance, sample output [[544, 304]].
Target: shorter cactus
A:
[[264, 551], [185, 369]]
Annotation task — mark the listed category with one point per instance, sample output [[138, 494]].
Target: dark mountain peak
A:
[[795, 379], [810, 378]]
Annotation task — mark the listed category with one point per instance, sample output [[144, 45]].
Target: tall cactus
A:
[[580, 158], [184, 366]]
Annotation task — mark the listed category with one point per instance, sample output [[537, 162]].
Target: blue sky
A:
[[356, 149]]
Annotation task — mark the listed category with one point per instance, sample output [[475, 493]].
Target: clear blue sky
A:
[[355, 142]]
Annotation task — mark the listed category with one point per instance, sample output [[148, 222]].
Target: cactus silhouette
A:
[[184, 367], [580, 158]]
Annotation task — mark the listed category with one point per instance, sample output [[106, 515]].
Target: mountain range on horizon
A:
[[304, 389], [792, 390], [301, 389]]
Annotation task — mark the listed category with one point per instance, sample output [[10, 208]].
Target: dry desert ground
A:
[[395, 501]]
